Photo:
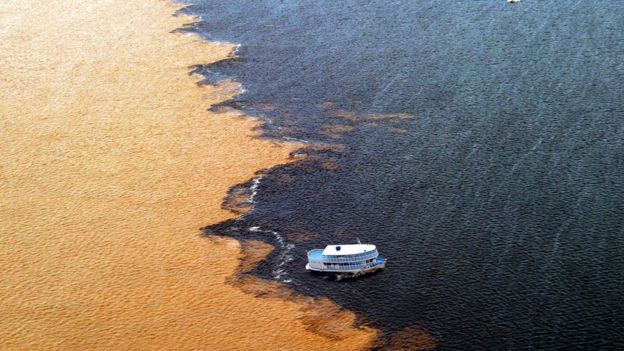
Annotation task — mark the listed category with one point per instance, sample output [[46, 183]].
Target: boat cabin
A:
[[353, 258]]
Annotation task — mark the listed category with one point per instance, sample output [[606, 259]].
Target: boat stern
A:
[[380, 263]]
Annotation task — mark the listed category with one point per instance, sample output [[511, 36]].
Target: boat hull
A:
[[354, 272]]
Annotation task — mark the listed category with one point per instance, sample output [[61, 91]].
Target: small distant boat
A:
[[350, 260]]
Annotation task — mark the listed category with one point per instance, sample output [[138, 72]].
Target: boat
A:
[[350, 260]]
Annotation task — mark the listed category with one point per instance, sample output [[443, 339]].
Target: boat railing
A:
[[346, 258], [350, 267]]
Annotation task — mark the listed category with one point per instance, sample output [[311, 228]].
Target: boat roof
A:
[[347, 249]]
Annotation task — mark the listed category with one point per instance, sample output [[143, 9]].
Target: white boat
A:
[[354, 259]]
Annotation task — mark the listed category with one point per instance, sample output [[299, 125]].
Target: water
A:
[[497, 194]]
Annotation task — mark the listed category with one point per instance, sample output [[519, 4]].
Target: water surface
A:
[[499, 202]]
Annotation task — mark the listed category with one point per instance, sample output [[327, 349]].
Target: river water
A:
[[479, 144]]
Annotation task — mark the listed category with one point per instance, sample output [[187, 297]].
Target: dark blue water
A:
[[500, 201]]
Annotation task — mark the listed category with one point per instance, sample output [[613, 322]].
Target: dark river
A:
[[478, 144]]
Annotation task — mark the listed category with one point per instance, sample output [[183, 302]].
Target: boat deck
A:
[[315, 254]]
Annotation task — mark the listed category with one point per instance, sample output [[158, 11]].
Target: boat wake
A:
[[255, 183], [284, 256], [242, 200]]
